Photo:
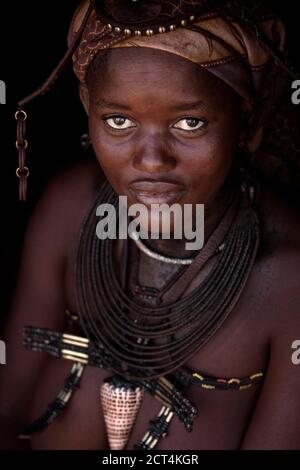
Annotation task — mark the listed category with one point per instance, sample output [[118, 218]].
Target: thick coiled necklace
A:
[[139, 341]]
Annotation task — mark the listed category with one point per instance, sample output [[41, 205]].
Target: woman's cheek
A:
[[207, 157], [209, 166], [221, 151]]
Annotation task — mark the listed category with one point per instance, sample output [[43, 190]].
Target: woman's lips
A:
[[166, 198], [156, 192]]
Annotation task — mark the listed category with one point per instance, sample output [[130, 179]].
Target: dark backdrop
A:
[[32, 41]]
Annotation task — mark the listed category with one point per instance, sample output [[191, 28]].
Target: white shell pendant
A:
[[120, 408]]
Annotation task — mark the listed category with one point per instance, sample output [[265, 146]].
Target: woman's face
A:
[[163, 129]]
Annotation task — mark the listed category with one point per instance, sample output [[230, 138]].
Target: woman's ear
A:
[[245, 117], [251, 128], [84, 97]]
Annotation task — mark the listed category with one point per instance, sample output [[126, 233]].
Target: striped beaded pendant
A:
[[121, 401]]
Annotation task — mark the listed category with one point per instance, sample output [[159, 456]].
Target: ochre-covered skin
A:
[[261, 328]]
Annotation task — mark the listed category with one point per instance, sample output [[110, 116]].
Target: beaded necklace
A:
[[121, 399]]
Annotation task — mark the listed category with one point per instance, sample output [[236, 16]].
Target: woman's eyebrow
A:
[[177, 107], [107, 104], [189, 105]]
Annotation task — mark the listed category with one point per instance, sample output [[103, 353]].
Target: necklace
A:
[[159, 257], [172, 331]]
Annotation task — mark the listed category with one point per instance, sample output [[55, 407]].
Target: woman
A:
[[200, 340]]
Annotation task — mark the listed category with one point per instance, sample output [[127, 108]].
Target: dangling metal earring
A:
[[85, 142], [22, 171], [241, 144]]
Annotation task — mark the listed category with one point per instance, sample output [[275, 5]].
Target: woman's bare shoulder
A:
[[277, 268], [66, 199], [280, 218], [75, 184]]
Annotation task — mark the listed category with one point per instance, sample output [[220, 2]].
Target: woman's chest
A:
[[237, 350], [234, 346]]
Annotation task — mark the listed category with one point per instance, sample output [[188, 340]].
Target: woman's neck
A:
[[214, 211]]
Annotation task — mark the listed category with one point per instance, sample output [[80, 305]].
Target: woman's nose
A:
[[153, 155]]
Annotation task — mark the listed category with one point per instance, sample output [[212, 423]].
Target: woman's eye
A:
[[119, 122], [189, 124]]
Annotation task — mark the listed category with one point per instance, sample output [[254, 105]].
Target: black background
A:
[[32, 41]]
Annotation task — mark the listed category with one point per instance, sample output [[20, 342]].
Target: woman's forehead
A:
[[143, 66], [130, 58]]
